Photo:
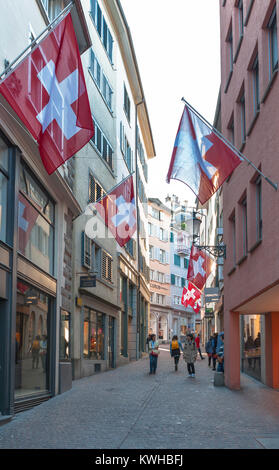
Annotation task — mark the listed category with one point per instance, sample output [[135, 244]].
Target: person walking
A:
[[197, 340], [153, 348], [175, 348], [209, 350], [35, 349], [220, 355], [190, 354]]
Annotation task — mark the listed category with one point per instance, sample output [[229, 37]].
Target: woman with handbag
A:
[[153, 347], [190, 354], [175, 348]]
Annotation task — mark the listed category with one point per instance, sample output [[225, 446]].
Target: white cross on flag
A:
[[118, 209], [191, 296], [47, 91], [200, 266]]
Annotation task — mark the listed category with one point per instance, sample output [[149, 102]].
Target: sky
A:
[[177, 47]]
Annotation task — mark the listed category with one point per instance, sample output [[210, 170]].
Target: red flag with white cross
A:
[[191, 296], [118, 210], [200, 267], [47, 91]]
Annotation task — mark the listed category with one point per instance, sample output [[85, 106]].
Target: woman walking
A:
[[190, 354], [175, 348], [153, 348]]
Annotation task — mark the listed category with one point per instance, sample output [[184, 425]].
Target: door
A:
[[111, 343]]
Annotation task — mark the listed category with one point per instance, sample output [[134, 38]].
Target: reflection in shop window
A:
[[32, 346], [251, 345], [64, 335], [94, 334], [35, 223]]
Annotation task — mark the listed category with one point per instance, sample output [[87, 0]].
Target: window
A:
[[230, 51], [259, 207], [107, 92], [96, 252], [128, 154], [177, 260], [53, 7], [151, 249], [96, 191], [273, 45], [95, 69], [103, 146], [102, 27], [126, 104], [244, 226], [35, 222], [93, 334], [85, 251], [106, 266], [233, 238], [163, 258], [231, 131], [256, 90], [186, 263], [243, 118], [240, 17], [100, 80]]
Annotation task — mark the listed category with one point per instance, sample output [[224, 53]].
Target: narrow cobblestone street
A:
[[126, 408]]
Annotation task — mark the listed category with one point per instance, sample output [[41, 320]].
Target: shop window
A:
[[93, 334], [32, 365], [35, 222], [64, 351], [251, 345]]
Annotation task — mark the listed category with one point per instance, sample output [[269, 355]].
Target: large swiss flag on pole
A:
[[47, 91]]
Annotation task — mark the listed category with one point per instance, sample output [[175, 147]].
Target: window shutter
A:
[[182, 282], [171, 237], [173, 279], [85, 251]]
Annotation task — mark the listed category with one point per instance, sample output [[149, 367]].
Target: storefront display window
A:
[[32, 341], [251, 345], [64, 352], [94, 334], [35, 223]]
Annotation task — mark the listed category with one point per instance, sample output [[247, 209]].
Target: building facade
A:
[[183, 319], [159, 218], [36, 238], [249, 108]]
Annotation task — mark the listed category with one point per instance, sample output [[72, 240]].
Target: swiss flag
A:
[[118, 209], [191, 296], [47, 91], [200, 266]]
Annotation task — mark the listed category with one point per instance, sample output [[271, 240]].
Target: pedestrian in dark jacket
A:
[[209, 349], [175, 348], [220, 355], [190, 354]]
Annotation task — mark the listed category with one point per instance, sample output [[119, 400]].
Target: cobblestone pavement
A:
[[126, 408]]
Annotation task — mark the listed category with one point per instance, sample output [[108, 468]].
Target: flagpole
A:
[[107, 194], [34, 42], [229, 144]]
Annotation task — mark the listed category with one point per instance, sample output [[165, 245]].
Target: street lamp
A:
[[219, 251]]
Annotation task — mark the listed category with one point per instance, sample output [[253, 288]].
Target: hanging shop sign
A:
[[87, 281]]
